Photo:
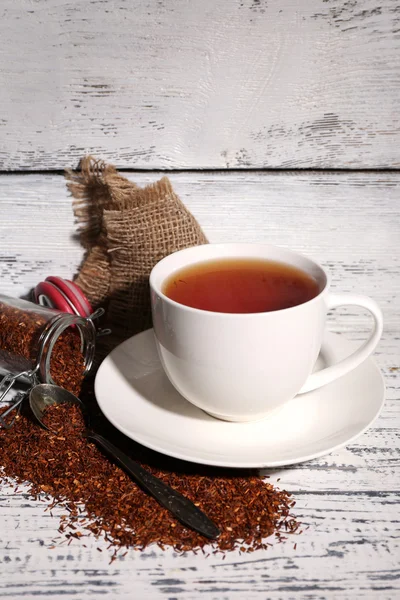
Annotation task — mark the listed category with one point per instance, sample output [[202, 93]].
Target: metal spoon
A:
[[44, 395]]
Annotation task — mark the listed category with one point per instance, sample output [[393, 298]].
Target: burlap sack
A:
[[93, 188], [126, 230]]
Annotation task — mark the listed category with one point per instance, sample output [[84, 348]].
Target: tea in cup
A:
[[239, 327]]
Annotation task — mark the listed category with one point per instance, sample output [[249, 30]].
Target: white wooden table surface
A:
[[349, 499]]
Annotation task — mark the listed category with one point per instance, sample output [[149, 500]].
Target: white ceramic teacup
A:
[[240, 367]]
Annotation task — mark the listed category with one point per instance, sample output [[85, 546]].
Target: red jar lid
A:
[[63, 295]]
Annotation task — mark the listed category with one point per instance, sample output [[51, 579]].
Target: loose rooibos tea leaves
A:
[[102, 499], [65, 418]]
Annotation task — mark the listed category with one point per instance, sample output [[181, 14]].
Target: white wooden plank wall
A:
[[195, 84]]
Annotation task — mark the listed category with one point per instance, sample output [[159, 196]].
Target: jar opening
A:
[[66, 354]]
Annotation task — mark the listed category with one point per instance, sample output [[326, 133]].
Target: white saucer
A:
[[136, 396]]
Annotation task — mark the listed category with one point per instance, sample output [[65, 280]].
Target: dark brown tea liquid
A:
[[240, 285]]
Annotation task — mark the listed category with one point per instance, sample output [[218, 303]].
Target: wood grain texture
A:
[[186, 84], [349, 500]]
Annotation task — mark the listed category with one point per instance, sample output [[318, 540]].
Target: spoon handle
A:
[[183, 509]]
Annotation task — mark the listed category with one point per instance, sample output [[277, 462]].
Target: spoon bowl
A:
[[44, 395]]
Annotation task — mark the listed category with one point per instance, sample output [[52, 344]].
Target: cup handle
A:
[[331, 373]]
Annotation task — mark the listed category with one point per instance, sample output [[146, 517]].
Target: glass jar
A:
[[42, 344]]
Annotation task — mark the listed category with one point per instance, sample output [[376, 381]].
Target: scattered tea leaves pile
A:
[[100, 498]]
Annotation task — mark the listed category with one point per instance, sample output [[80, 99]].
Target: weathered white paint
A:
[[172, 84], [349, 499]]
